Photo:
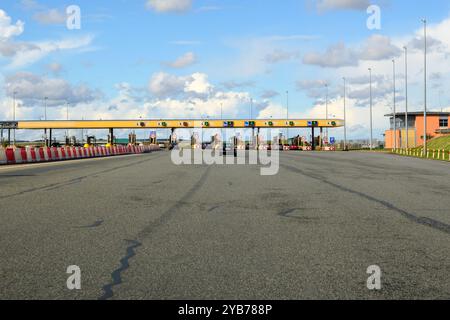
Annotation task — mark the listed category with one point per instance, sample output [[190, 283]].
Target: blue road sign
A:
[[332, 140]]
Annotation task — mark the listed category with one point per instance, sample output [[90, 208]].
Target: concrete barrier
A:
[[35, 155]]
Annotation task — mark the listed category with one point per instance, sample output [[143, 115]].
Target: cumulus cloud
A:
[[22, 54], [169, 5], [8, 29], [185, 60], [379, 47], [336, 56], [33, 88], [375, 48], [164, 85]]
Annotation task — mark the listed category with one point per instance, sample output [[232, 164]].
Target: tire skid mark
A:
[[117, 274], [147, 231], [428, 222], [96, 224]]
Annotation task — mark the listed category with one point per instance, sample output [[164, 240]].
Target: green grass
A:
[[442, 143], [435, 147]]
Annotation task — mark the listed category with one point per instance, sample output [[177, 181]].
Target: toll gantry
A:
[[173, 124]]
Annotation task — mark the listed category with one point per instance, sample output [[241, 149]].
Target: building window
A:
[[443, 122]]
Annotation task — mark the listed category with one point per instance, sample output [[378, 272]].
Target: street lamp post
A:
[[287, 115], [425, 144], [395, 111], [251, 116], [326, 107], [67, 118], [345, 115], [45, 118], [406, 97], [371, 108], [221, 118], [14, 116]]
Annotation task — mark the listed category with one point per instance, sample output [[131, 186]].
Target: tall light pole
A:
[[371, 107], [345, 114], [406, 97], [251, 117], [287, 115], [45, 108], [45, 118], [425, 144], [221, 118], [14, 116], [326, 107], [395, 111], [67, 117]]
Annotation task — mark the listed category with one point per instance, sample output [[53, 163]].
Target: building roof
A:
[[418, 113]]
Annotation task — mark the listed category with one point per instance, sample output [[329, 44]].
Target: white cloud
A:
[[378, 47], [198, 83], [33, 52], [169, 5], [22, 54], [336, 56], [165, 85], [32, 89], [375, 48], [8, 29], [185, 60]]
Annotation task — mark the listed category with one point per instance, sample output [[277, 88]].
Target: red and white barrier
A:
[[35, 155]]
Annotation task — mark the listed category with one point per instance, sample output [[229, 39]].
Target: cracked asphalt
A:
[[140, 227]]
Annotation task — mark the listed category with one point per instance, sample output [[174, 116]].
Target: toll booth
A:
[[216, 142], [195, 141], [132, 139], [153, 138], [91, 140]]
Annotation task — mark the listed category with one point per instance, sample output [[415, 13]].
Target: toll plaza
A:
[[256, 124]]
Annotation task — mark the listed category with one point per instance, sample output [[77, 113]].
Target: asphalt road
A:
[[140, 227]]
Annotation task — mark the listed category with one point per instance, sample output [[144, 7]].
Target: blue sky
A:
[[185, 58]]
